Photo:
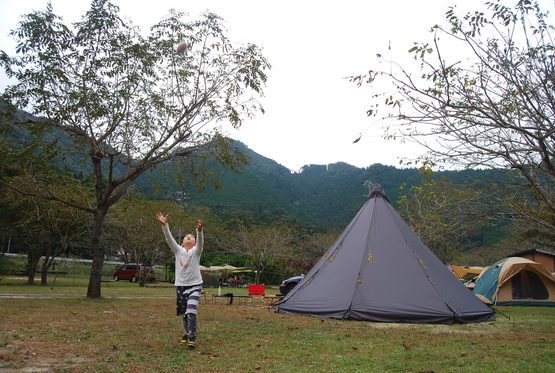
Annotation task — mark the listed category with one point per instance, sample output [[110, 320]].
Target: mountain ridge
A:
[[326, 196]]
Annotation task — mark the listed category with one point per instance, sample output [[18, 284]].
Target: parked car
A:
[[288, 285], [133, 272]]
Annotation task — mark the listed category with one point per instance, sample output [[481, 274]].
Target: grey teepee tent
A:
[[379, 270]]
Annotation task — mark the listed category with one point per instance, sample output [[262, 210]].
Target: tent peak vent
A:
[[376, 191]]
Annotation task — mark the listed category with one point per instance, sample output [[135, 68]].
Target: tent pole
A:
[[501, 313]]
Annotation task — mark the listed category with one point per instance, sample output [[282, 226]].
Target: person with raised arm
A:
[[188, 280]]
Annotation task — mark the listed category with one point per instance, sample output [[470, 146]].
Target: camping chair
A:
[[256, 292]]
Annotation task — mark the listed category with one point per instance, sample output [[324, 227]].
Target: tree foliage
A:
[[263, 245], [484, 98], [443, 215], [131, 234], [130, 102], [47, 228]]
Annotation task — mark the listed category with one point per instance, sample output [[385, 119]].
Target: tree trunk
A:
[[44, 271], [31, 277], [95, 278], [257, 275], [9, 243], [33, 257], [48, 258]]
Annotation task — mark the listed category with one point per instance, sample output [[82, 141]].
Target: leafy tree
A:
[[17, 160], [305, 252], [264, 245], [132, 233], [443, 215], [47, 228], [127, 102], [484, 98], [315, 246]]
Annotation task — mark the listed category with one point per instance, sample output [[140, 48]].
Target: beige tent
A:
[[214, 275], [516, 281], [463, 271], [225, 267]]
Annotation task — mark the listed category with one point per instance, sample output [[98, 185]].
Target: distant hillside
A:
[[327, 196]]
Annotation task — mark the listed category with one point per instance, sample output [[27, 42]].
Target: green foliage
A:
[[45, 227], [445, 216], [323, 196], [317, 202], [131, 101], [7, 266], [220, 258]]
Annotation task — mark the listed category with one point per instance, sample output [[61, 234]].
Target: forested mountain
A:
[[319, 197], [326, 196]]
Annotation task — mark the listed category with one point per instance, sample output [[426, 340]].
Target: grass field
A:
[[141, 335]]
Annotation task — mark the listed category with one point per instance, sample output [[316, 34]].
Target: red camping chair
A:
[[256, 292]]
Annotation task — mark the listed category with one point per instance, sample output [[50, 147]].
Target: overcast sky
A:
[[312, 114]]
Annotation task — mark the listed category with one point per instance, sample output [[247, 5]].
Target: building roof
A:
[[533, 251]]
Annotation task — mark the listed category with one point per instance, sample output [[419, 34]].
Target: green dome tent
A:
[[379, 270], [516, 281]]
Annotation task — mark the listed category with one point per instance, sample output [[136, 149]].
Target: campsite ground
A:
[[140, 334]]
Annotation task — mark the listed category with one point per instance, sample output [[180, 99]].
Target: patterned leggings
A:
[[187, 305]]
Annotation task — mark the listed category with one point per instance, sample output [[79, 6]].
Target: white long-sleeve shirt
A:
[[187, 262]]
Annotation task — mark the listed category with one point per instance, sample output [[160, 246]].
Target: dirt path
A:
[[54, 296]]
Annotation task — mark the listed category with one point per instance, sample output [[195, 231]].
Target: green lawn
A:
[[141, 334]]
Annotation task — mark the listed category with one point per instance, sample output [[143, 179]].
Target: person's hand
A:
[[199, 226], [163, 219]]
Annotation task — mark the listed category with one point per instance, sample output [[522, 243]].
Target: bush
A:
[[9, 266]]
